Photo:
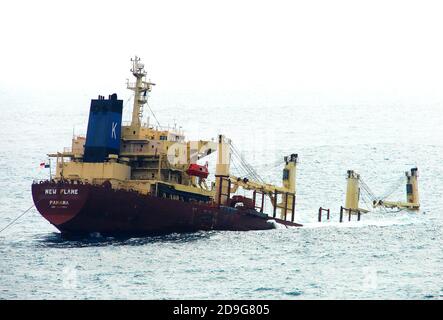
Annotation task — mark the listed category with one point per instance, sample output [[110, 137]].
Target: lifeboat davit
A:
[[198, 170]]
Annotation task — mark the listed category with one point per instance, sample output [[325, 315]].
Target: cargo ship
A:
[[141, 179]]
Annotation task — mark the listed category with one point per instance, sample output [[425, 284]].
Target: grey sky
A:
[[202, 47]]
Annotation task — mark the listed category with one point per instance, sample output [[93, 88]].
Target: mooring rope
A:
[[18, 217]]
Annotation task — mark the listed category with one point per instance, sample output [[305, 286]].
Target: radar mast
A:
[[141, 87]]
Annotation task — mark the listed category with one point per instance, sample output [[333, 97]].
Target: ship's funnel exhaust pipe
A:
[[104, 129]]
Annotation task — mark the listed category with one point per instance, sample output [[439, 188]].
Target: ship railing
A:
[[350, 211], [133, 85], [130, 85], [39, 181], [320, 213], [60, 180], [173, 129]]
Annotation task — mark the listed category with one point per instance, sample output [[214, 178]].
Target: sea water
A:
[[386, 255]]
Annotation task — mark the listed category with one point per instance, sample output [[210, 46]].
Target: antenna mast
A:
[[141, 87]]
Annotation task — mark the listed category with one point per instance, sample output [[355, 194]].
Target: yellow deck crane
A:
[[354, 184], [412, 197], [282, 197]]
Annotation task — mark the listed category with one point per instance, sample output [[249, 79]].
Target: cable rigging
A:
[[248, 170]]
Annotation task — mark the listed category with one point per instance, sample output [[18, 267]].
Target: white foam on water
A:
[[276, 225]]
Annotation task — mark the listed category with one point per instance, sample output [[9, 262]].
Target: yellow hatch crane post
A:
[[289, 183], [222, 168], [352, 190], [412, 188], [289, 172]]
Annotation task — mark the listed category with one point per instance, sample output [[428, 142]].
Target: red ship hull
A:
[[84, 208]]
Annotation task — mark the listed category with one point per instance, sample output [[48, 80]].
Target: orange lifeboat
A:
[[198, 170]]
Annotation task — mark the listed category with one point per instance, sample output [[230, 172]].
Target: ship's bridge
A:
[[150, 132]]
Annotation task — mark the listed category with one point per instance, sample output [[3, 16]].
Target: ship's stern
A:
[[59, 202]]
